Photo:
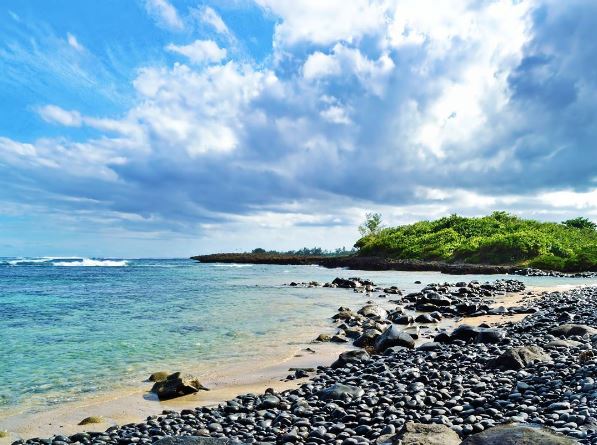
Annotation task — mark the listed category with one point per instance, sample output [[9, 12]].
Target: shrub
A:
[[499, 238]]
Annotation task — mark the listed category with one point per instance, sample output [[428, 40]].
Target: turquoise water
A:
[[70, 328]]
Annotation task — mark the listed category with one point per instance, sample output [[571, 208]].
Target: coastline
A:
[[135, 404], [374, 263], [358, 263]]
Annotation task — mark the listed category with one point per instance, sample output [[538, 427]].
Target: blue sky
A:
[[173, 127]]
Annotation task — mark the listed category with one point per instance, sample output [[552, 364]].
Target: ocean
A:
[[71, 328]]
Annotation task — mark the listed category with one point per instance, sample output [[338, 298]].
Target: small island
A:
[[497, 243]]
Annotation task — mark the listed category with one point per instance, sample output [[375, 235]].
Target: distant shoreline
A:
[[357, 262]]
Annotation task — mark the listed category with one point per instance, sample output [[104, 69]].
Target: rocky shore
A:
[[538, 372], [357, 262]]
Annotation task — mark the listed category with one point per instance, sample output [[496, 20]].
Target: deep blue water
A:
[[74, 327]]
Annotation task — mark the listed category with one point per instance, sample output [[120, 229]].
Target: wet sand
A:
[[135, 404]]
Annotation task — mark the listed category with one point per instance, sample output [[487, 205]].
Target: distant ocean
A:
[[74, 327]]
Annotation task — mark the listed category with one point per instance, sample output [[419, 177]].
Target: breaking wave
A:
[[88, 262], [62, 261]]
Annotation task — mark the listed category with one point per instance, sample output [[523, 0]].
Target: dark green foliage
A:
[[580, 223], [306, 251], [499, 238]]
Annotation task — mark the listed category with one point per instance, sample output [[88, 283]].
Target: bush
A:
[[499, 238], [548, 262]]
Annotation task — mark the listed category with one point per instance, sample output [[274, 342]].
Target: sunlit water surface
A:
[[74, 327]]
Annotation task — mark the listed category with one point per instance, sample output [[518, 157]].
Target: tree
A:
[[372, 224], [580, 223], [258, 250]]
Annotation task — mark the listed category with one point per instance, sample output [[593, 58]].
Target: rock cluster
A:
[[530, 272], [465, 299], [430, 305], [453, 388]]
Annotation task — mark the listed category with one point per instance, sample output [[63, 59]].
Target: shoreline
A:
[[372, 263], [131, 405], [134, 404]]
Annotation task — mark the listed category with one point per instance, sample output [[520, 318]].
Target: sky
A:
[[166, 128]]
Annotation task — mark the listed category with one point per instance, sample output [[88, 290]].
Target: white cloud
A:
[[55, 114], [164, 13], [209, 16], [336, 115], [73, 42], [200, 112], [325, 22], [319, 65], [402, 107], [200, 51], [344, 61], [10, 146]]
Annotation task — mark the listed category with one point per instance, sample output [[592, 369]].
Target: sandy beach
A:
[[136, 403]]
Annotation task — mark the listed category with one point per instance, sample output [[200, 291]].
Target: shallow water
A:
[[74, 327]]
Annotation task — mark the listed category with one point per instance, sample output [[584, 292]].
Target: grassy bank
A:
[[499, 238]]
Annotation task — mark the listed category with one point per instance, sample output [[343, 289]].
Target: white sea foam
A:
[[39, 260], [88, 262], [231, 265], [28, 261]]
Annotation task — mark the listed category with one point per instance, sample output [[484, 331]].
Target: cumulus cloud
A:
[[200, 51], [415, 109], [325, 22], [164, 13]]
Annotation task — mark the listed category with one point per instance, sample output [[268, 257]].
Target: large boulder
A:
[[472, 333], [350, 357], [339, 391], [177, 385], [351, 283], [431, 434], [520, 357], [393, 337], [373, 311], [367, 338], [568, 330], [518, 434]]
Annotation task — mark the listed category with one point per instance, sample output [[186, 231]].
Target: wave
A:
[[32, 261], [28, 261], [88, 262], [231, 265]]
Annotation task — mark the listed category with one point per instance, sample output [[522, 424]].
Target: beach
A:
[[133, 403]]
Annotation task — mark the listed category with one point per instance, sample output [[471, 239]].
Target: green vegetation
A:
[[499, 238], [305, 251], [372, 225]]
